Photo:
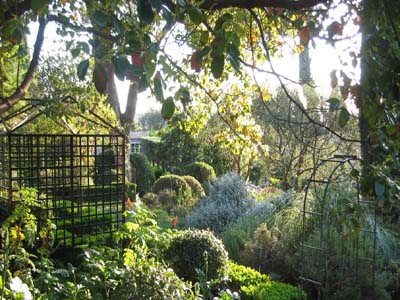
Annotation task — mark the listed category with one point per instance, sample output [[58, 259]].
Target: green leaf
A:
[[143, 84], [220, 24], [196, 15], [379, 189], [38, 6], [204, 37], [158, 90], [217, 66], [145, 12], [333, 104], [183, 95], [344, 116], [118, 25], [121, 66], [75, 52], [157, 4], [233, 57], [168, 108], [84, 47], [181, 3], [100, 78], [82, 69], [100, 18]]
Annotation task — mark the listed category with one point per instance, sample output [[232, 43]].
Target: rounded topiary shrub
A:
[[142, 173], [195, 185], [202, 171], [186, 253], [171, 182], [151, 200]]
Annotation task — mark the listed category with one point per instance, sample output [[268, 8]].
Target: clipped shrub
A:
[[240, 275], [272, 290], [168, 198], [202, 171], [228, 201], [142, 173], [195, 185], [171, 182], [256, 286], [186, 253], [151, 200]]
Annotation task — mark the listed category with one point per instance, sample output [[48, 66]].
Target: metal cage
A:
[[80, 180]]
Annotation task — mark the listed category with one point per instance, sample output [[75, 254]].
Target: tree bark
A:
[[19, 93]]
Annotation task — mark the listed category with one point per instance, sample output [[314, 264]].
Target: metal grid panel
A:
[[80, 178]]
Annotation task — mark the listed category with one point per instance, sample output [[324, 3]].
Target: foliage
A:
[[142, 173], [173, 190], [227, 202], [273, 291], [171, 182], [195, 185], [238, 237], [186, 254], [244, 276], [202, 171], [149, 147], [151, 120], [151, 200], [256, 286], [177, 147]]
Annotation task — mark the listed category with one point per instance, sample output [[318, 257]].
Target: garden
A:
[[271, 166]]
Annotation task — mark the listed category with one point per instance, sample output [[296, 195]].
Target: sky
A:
[[324, 58]]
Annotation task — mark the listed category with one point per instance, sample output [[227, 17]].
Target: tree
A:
[[225, 36], [151, 120]]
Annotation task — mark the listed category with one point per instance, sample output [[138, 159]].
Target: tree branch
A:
[[19, 93], [286, 4], [79, 28]]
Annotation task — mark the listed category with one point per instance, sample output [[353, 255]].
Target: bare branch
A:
[[19, 93]]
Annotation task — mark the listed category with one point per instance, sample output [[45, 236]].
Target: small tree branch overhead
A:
[[20, 91]]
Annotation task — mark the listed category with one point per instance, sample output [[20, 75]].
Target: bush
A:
[[256, 286], [272, 291], [142, 173], [171, 182], [228, 201], [195, 185], [202, 171], [151, 200], [186, 254]]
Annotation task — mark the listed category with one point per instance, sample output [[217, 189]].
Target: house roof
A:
[[138, 134]]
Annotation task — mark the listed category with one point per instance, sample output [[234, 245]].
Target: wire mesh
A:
[[79, 178]]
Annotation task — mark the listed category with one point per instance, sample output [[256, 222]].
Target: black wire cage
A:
[[79, 179]]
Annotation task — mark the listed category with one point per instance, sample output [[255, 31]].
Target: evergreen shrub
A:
[[186, 254], [202, 171], [142, 173], [171, 182], [256, 286], [195, 185]]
